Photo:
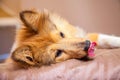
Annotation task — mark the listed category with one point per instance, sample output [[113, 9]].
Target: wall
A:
[[93, 15], [6, 38], [14, 5]]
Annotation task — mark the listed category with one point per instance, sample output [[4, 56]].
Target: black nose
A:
[[87, 45]]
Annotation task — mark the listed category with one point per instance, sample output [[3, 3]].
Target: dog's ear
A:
[[30, 19], [36, 21], [24, 56]]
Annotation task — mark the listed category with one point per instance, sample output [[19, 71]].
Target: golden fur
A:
[[42, 41], [45, 38]]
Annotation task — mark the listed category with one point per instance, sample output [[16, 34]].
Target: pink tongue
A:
[[92, 49]]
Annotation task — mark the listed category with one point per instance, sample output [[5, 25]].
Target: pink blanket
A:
[[105, 66]]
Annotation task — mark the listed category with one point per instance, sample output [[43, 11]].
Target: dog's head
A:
[[46, 38]]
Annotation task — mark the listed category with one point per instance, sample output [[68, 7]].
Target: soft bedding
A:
[[105, 66]]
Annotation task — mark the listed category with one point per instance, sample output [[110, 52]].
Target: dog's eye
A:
[[58, 53], [62, 35], [29, 58]]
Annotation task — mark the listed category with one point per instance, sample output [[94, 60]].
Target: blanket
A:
[[105, 66]]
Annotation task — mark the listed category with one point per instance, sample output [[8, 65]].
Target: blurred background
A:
[[101, 16]]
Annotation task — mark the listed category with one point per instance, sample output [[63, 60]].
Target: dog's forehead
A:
[[54, 18], [62, 25]]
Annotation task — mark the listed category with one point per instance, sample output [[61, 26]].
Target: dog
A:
[[45, 38]]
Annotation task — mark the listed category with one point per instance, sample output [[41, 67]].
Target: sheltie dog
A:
[[45, 38]]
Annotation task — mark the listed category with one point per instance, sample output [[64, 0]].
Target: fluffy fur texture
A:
[[45, 38]]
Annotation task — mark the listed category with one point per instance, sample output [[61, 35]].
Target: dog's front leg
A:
[[104, 41]]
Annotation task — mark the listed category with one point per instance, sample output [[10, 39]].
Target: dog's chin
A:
[[85, 58]]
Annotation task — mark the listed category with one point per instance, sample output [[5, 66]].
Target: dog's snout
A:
[[87, 45]]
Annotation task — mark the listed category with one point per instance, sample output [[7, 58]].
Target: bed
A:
[[105, 66]]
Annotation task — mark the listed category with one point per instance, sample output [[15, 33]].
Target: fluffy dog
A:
[[45, 38]]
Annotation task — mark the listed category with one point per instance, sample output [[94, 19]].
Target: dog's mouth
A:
[[90, 48]]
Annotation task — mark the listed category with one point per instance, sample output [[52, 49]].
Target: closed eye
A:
[[62, 35], [29, 58], [58, 53]]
